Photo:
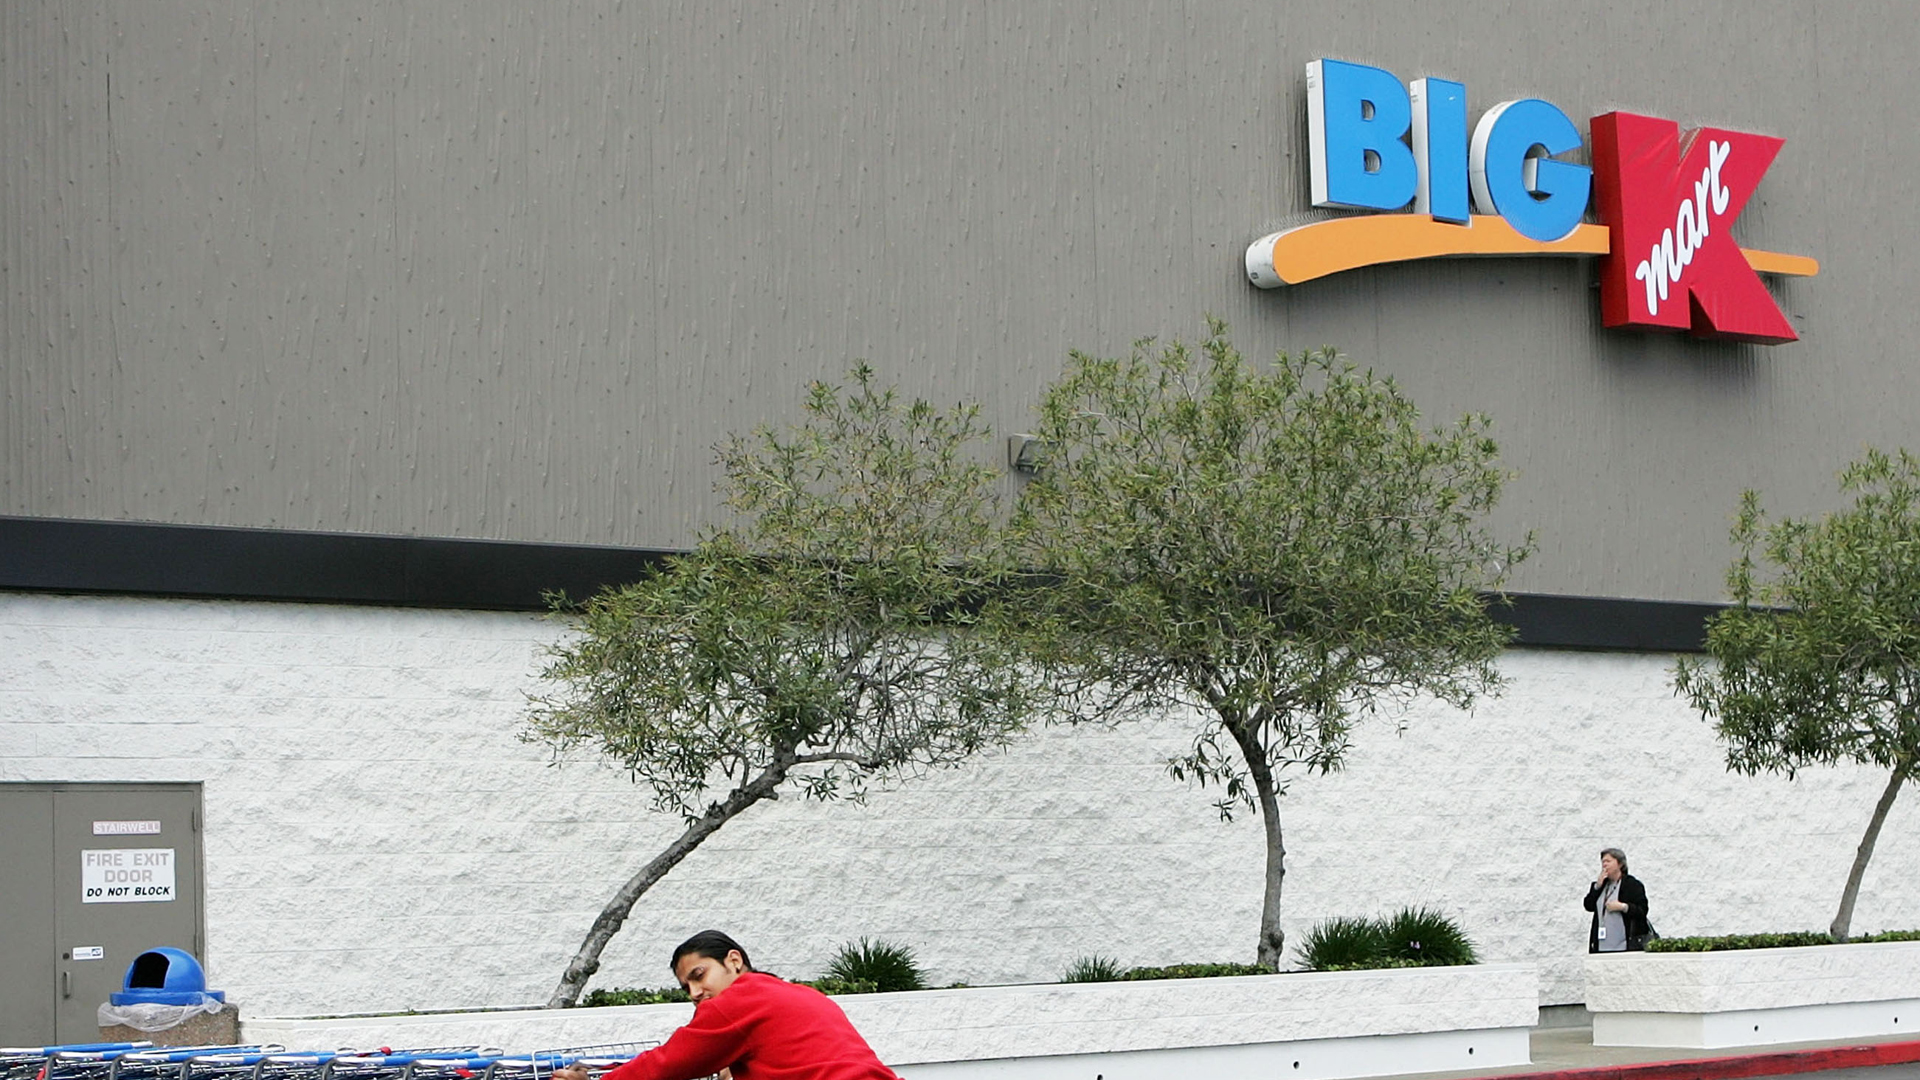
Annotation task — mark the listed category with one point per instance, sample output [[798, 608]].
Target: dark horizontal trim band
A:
[[150, 559], [208, 561], [1607, 622]]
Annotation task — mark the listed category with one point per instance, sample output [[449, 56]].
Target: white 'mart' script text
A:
[[1661, 269]]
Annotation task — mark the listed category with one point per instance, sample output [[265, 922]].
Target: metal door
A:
[[118, 874], [29, 973]]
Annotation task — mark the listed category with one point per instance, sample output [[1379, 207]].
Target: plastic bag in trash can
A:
[[152, 1016], [165, 987]]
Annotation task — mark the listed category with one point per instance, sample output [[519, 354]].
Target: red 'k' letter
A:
[[1671, 206]]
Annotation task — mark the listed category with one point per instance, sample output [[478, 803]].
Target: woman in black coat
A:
[[1619, 905]]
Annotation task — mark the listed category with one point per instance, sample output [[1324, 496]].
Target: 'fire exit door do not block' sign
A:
[[126, 876]]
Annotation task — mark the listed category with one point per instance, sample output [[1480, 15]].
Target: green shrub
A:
[[1192, 971], [1342, 945], [886, 966], [1095, 968], [832, 985], [628, 995], [1788, 940], [1728, 942], [1413, 937], [1425, 937]]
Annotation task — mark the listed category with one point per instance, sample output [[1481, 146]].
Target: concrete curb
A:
[[1780, 1063]]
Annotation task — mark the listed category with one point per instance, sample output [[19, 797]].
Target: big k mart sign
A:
[[1666, 201]]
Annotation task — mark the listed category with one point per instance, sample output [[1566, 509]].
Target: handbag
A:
[[1639, 941]]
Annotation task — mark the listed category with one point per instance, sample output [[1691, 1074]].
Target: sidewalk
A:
[[1568, 1053]]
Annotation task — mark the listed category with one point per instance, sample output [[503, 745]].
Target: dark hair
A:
[[711, 944], [1618, 856]]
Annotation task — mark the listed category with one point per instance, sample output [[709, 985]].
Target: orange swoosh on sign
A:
[[1774, 262], [1348, 243]]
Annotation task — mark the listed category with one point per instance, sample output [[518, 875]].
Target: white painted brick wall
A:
[[378, 839], [1754, 978], [999, 1022]]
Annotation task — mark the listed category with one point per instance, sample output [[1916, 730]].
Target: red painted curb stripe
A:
[[1734, 1068]]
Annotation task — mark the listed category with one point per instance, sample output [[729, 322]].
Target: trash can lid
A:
[[165, 976]]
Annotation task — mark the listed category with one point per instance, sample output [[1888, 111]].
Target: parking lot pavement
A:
[[1568, 1053], [1875, 1072]]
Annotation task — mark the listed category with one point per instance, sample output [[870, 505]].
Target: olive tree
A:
[[851, 626], [1282, 550], [1818, 660]]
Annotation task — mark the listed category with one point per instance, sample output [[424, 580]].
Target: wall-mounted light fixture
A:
[[1026, 453]]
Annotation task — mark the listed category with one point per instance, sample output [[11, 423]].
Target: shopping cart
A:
[[171, 1063], [596, 1059], [144, 1061], [30, 1062], [87, 1062], [133, 1063], [313, 1064], [251, 1064], [388, 1064]]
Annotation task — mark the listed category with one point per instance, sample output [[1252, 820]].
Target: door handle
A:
[[66, 984]]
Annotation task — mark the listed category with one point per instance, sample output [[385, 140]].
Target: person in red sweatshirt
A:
[[755, 1025]]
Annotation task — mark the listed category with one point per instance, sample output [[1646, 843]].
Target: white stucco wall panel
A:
[[378, 838], [1758, 1027], [1747, 979], [987, 1024], [1003, 1022], [513, 1031]]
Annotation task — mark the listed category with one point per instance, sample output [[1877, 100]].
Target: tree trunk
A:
[[1273, 941], [1843, 921], [586, 961]]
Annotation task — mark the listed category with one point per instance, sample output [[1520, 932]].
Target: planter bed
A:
[[1755, 997], [1320, 1026]]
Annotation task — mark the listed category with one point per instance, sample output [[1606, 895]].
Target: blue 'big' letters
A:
[[1356, 119], [1359, 119]]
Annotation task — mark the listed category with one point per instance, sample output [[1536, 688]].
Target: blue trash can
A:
[[165, 976]]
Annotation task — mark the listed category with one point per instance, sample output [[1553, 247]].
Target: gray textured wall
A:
[[507, 270]]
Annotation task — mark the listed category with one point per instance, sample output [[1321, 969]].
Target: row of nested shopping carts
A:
[[145, 1061]]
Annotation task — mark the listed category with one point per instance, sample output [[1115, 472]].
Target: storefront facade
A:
[[334, 336]]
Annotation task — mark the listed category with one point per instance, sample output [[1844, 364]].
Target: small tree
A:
[[1284, 551], [1819, 662], [850, 628]]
